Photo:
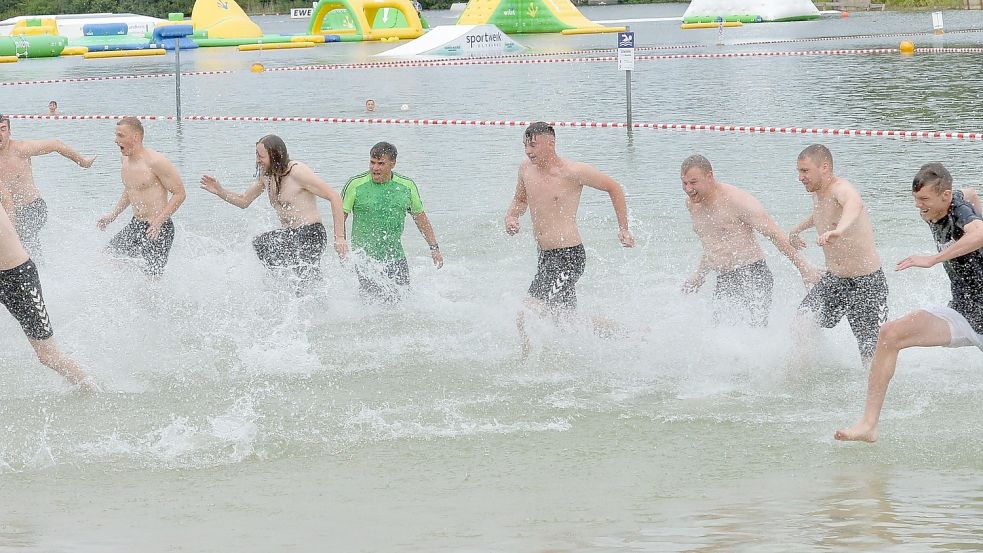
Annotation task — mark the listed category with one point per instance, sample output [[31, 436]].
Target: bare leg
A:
[[534, 306], [804, 337], [604, 327], [916, 329], [525, 345], [50, 356]]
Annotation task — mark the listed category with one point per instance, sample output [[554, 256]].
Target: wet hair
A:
[[539, 128], [934, 175], [132, 122], [279, 162], [383, 149], [696, 160], [53, 102], [819, 154], [5, 119]]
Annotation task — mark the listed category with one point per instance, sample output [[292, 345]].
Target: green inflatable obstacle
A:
[[32, 46]]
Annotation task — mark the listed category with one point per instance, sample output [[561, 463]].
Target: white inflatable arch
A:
[[764, 10]]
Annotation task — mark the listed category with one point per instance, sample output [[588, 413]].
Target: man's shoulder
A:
[[736, 196], [19, 148], [843, 184], [299, 169], [963, 210], [574, 166], [156, 158], [403, 180], [357, 180]]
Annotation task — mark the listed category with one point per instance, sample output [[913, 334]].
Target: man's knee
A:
[[894, 334]]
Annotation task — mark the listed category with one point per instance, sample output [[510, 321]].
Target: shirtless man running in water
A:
[[293, 189], [726, 218], [30, 212], [20, 293], [550, 187], [854, 284], [148, 178]]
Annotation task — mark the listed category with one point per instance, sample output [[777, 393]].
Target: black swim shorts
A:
[[31, 218], [743, 295], [133, 241], [557, 273], [383, 280], [298, 249], [862, 299], [20, 293]]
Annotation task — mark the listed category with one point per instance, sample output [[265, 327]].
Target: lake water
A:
[[242, 418]]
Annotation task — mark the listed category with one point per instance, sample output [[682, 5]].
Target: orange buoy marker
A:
[[257, 68], [907, 47]]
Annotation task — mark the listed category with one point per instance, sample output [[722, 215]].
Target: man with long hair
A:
[[30, 212], [293, 189], [148, 178]]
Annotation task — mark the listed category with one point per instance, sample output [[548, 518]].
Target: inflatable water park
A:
[[483, 26], [749, 11]]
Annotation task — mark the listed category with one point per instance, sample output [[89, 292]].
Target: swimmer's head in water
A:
[[697, 176], [539, 140], [815, 166], [129, 135], [932, 189], [370, 105], [52, 106], [382, 159]]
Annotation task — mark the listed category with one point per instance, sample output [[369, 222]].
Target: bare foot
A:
[[89, 386], [859, 432]]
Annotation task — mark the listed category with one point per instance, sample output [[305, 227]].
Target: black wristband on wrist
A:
[[434, 247]]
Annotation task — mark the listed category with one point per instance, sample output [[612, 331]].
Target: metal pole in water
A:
[[628, 94], [177, 75]]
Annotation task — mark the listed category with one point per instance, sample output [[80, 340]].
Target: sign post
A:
[[626, 63], [175, 33]]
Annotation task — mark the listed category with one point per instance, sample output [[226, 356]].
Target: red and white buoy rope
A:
[[501, 61], [741, 129]]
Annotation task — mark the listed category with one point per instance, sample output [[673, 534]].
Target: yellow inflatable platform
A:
[[710, 25], [350, 20], [223, 19], [35, 26], [124, 53], [274, 46]]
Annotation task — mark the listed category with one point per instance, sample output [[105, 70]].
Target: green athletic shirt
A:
[[379, 211]]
